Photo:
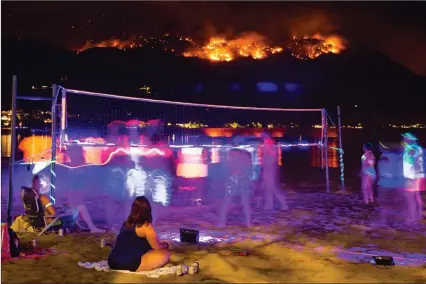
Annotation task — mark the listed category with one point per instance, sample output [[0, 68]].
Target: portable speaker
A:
[[383, 261], [189, 236]]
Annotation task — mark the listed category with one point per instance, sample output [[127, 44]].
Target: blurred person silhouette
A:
[[413, 170], [368, 173], [270, 174], [133, 129], [238, 184], [41, 187], [154, 171]]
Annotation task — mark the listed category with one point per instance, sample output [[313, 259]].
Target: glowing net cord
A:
[[96, 94], [329, 117], [111, 155], [159, 152]]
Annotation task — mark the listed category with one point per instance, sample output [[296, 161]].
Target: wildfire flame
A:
[[165, 42], [219, 49], [311, 47], [111, 43], [248, 45]]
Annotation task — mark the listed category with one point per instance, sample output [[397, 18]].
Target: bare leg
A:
[[245, 200], [364, 187], [420, 204], [370, 187], [75, 198], [258, 201], [155, 211], [224, 210], [269, 196], [87, 219], [158, 210], [412, 211], [111, 211], [383, 199], [281, 198], [201, 184], [371, 193], [154, 259]]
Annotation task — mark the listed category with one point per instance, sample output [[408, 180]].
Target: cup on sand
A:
[[194, 268]]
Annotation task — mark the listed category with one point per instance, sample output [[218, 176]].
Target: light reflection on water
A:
[[333, 156], [6, 140]]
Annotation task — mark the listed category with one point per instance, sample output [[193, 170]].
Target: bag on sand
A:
[[9, 242]]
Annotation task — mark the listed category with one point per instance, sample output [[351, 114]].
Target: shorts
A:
[[371, 172]]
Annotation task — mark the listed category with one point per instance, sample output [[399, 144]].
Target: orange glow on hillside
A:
[[222, 49], [250, 45], [311, 47]]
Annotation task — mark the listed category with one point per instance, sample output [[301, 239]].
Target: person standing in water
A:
[[368, 173], [413, 170], [270, 175]]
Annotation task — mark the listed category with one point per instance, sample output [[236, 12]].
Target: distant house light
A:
[[267, 87], [291, 87], [146, 89]]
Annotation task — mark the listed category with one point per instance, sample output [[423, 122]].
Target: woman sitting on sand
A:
[[137, 247], [39, 188]]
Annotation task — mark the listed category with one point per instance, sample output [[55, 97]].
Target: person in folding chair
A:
[[41, 212]]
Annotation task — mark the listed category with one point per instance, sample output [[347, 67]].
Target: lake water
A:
[[300, 159]]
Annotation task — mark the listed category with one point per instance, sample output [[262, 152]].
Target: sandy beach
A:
[[326, 238]]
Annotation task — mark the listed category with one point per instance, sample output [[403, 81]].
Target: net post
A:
[[63, 114], [55, 93], [341, 152], [325, 145], [322, 141], [13, 149]]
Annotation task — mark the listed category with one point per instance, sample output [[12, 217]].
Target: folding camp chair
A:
[[34, 214]]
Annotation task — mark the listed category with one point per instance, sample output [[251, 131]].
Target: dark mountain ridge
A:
[[356, 76]]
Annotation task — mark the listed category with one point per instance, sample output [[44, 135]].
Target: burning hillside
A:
[[248, 45], [111, 43], [311, 47], [167, 42], [220, 49]]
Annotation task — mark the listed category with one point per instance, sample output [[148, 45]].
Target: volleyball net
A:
[[109, 148], [96, 111]]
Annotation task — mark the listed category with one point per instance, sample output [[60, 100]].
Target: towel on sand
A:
[[103, 266], [21, 225]]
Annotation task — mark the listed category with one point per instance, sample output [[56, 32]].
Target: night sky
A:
[[394, 28]]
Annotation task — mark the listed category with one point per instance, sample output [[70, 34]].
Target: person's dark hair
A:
[[140, 214], [368, 146], [36, 178]]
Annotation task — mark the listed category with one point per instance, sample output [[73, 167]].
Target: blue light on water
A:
[[199, 87], [267, 87], [235, 87], [291, 87]]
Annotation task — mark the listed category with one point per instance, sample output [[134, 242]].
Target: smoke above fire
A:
[[224, 49]]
